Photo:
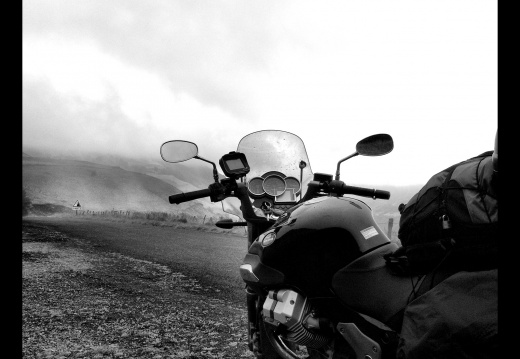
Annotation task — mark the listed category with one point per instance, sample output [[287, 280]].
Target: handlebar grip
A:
[[189, 196], [366, 192], [381, 194]]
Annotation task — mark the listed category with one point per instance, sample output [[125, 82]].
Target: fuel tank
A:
[[310, 242]]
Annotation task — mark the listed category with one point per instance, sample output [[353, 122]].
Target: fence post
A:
[[390, 225]]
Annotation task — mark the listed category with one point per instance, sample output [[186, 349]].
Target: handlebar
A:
[[189, 196], [334, 186], [364, 192], [340, 188]]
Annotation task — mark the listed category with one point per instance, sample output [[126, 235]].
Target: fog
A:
[[119, 78]]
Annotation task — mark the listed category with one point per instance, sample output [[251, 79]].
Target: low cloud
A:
[[66, 125], [209, 50]]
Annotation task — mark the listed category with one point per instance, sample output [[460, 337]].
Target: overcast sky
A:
[[124, 76]]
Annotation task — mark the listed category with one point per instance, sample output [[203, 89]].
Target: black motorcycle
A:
[[317, 283]]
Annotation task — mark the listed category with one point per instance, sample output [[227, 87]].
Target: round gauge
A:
[[291, 182], [274, 185], [255, 186]]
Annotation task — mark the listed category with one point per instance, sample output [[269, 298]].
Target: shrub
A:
[[137, 215], [157, 216]]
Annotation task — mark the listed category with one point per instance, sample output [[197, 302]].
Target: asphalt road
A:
[[213, 259]]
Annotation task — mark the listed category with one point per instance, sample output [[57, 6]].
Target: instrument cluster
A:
[[274, 185]]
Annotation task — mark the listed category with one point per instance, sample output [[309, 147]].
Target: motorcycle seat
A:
[[367, 285]]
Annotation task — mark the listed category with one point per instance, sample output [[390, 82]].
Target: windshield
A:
[[275, 176], [273, 150]]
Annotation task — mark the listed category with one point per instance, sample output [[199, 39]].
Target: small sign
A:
[[369, 232], [76, 205]]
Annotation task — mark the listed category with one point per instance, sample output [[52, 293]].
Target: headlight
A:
[[268, 239]]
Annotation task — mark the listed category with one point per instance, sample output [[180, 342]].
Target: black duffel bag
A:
[[455, 211]]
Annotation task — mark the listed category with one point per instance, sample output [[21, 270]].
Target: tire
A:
[[267, 335], [266, 349]]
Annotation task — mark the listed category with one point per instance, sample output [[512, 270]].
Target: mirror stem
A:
[[346, 158], [215, 173], [302, 165]]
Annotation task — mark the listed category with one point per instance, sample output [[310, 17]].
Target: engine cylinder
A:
[[291, 310]]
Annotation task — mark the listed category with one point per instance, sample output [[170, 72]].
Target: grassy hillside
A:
[[101, 187]]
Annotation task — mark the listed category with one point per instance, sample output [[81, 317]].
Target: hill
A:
[[100, 187]]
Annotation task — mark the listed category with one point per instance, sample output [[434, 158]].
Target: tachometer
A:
[[274, 185], [291, 182]]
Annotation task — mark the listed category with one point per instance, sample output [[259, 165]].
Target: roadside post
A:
[[76, 206], [390, 225]]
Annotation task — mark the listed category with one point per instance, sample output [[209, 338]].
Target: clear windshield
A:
[[273, 150], [275, 156]]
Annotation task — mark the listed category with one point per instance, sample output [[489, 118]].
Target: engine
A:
[[293, 311]]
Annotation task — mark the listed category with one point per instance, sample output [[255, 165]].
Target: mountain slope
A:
[[101, 187]]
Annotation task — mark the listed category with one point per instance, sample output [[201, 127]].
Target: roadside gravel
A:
[[79, 301]]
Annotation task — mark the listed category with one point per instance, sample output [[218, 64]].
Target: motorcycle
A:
[[317, 283]]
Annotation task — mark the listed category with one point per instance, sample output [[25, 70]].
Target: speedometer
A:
[[255, 186], [274, 185]]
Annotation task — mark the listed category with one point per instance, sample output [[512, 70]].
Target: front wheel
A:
[[262, 335], [270, 342], [275, 346], [265, 349]]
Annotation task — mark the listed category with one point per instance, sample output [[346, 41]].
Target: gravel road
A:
[[211, 258], [87, 294]]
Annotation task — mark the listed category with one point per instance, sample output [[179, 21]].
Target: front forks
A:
[[252, 319], [258, 340]]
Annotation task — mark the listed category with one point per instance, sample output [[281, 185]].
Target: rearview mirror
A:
[[178, 151], [375, 145]]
